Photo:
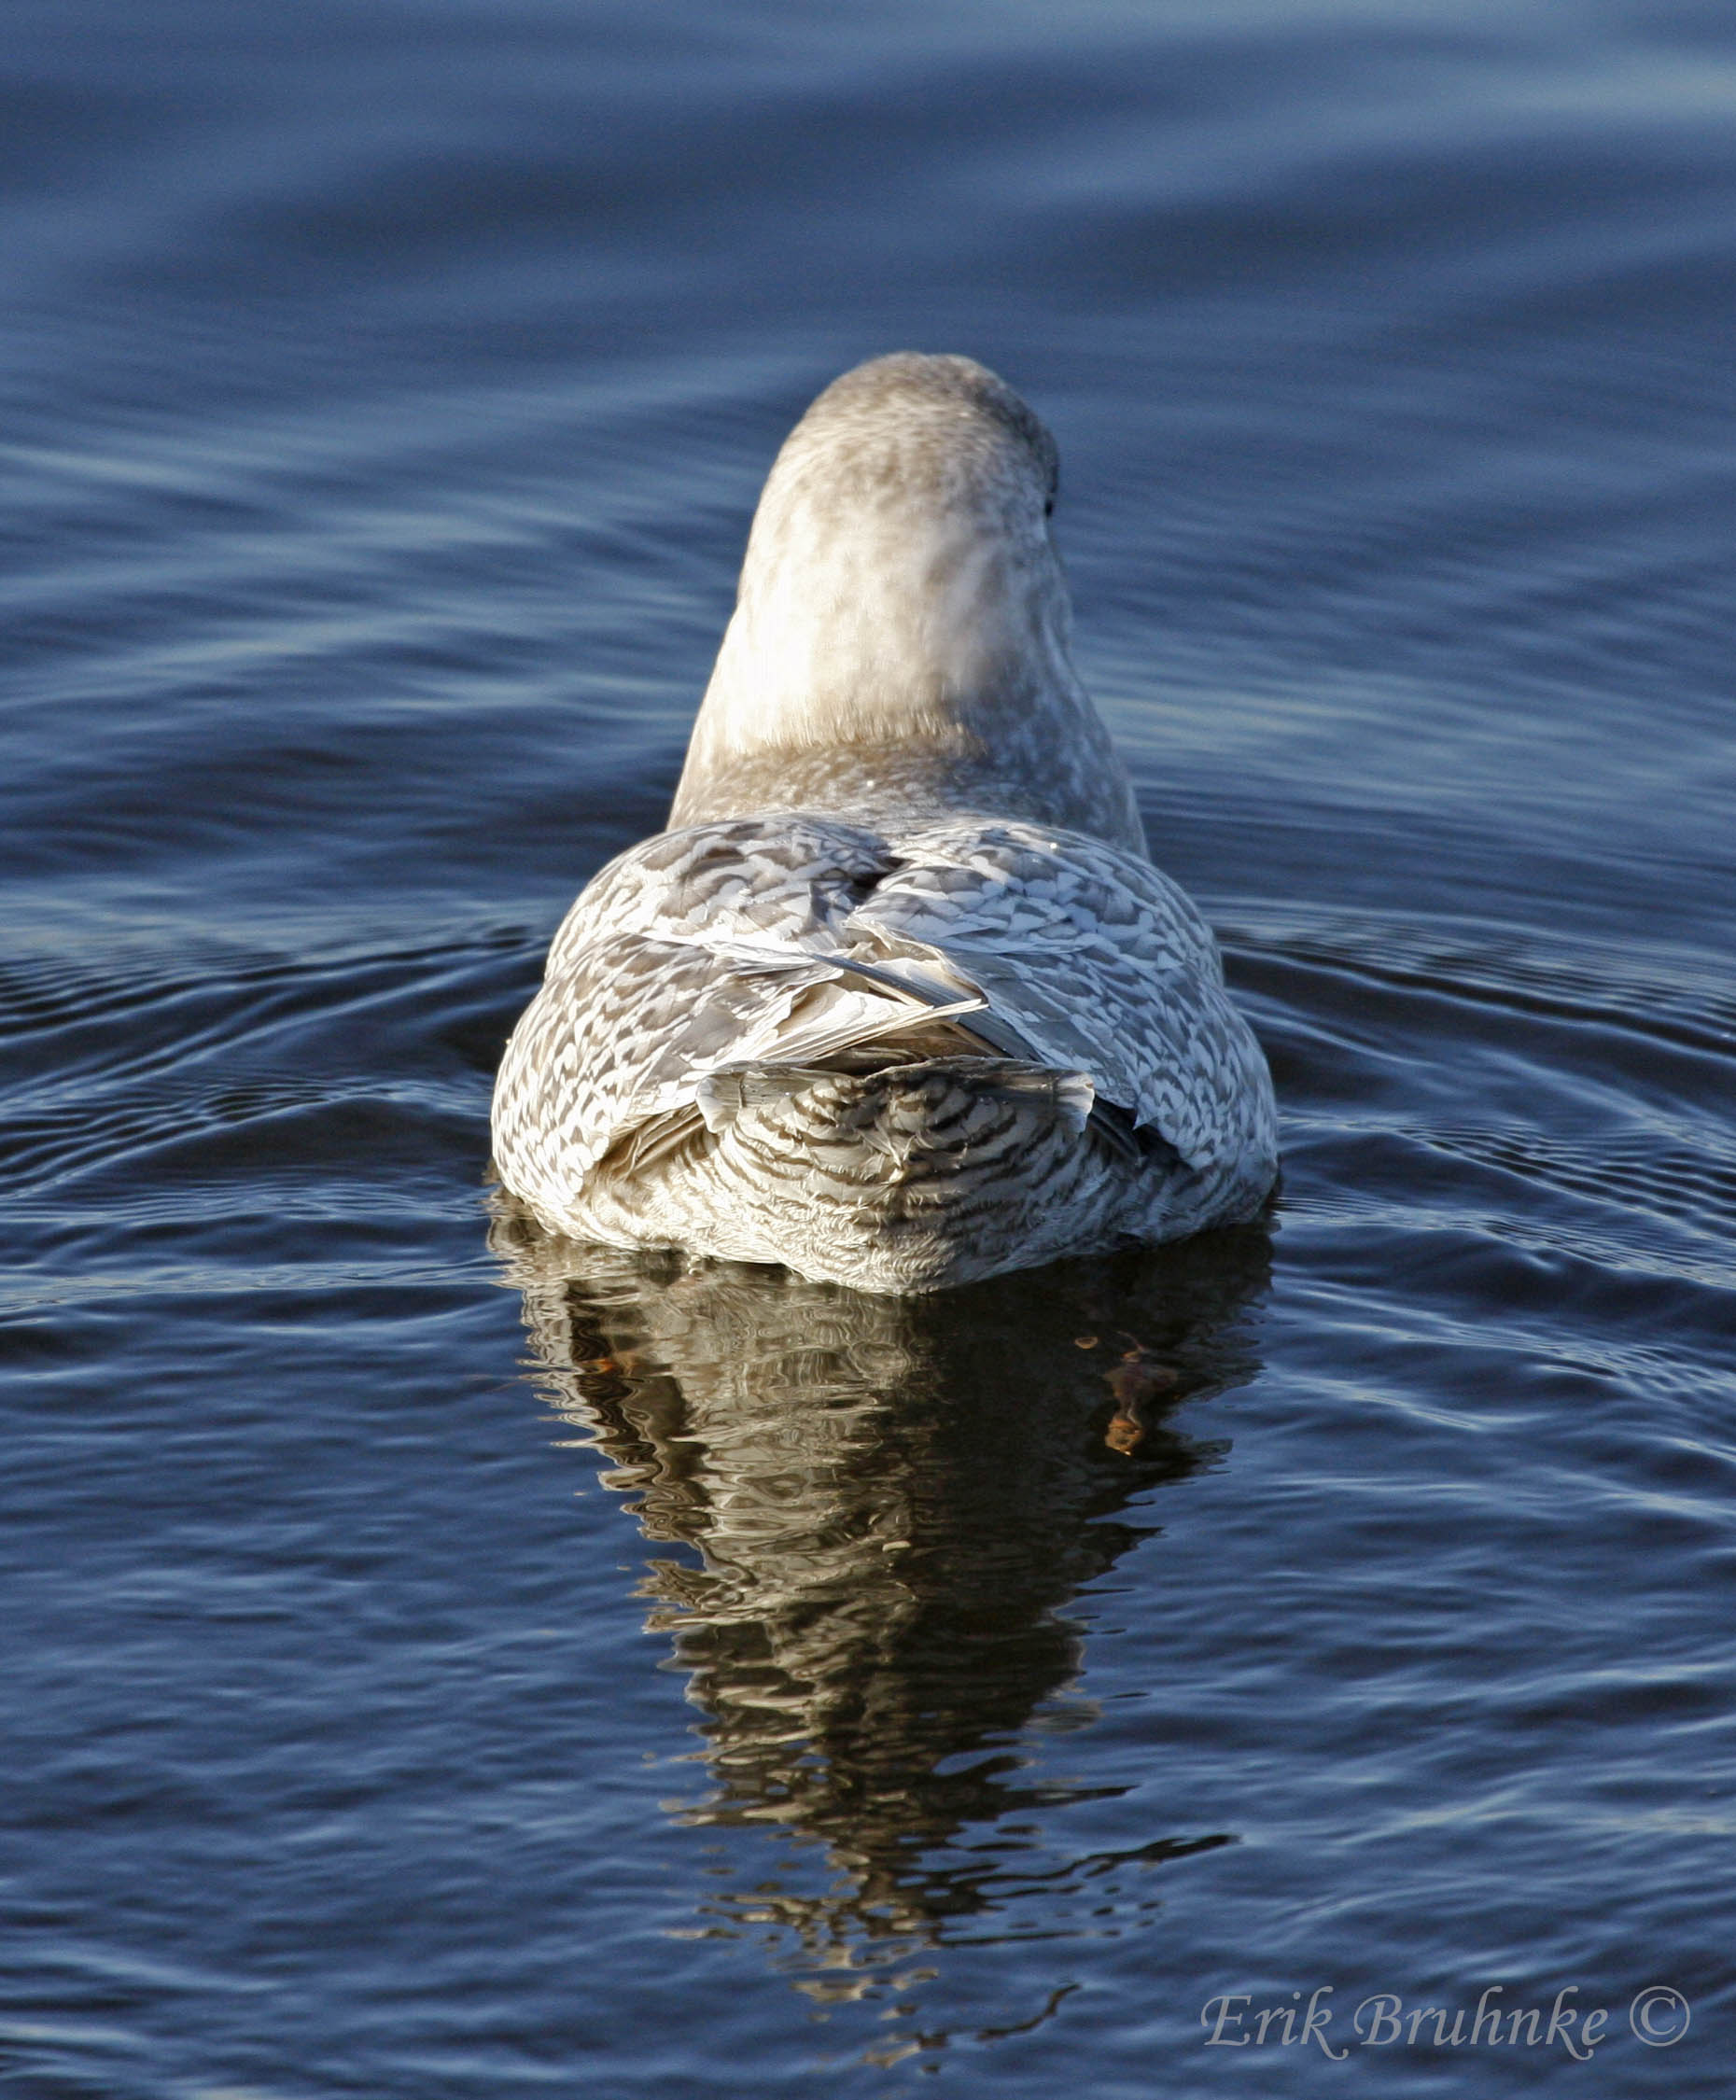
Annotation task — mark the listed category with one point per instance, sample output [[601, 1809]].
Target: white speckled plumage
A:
[[898, 999]]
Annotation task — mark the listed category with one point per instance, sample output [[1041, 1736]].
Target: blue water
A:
[[437, 1664]]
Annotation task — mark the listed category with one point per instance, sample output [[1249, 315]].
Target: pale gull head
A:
[[900, 593]]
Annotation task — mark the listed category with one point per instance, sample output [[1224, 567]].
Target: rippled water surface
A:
[[438, 1663]]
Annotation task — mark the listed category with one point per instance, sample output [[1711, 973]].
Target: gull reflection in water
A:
[[881, 1510]]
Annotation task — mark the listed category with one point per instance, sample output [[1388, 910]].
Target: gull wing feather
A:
[[1097, 960], [789, 882], [716, 945], [784, 942]]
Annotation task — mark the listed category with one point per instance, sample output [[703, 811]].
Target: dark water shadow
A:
[[881, 1510]]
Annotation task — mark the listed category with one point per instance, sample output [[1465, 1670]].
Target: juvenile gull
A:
[[899, 999]]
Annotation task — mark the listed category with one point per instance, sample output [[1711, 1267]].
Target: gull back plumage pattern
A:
[[898, 1000]]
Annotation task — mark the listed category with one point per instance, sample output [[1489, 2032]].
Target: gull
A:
[[899, 999]]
